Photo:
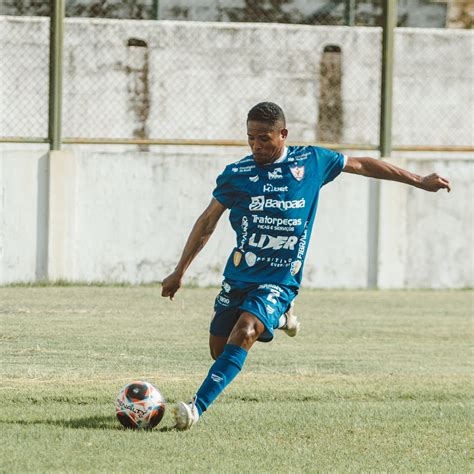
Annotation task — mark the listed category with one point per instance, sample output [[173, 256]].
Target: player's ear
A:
[[284, 133]]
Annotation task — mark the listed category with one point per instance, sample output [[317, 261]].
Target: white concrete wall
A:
[[23, 215], [106, 216], [124, 217]]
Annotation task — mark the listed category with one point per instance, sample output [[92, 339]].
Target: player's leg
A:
[[240, 332], [216, 345], [226, 314], [226, 367], [246, 331], [244, 315], [288, 322]]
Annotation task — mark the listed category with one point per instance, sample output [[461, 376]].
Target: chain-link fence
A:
[[24, 83], [195, 81], [176, 81], [433, 94]]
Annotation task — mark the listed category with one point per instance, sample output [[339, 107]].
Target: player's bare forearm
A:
[[380, 169], [200, 234]]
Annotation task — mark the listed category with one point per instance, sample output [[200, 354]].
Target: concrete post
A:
[[62, 190]]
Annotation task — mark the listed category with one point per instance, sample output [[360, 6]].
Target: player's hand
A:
[[170, 285], [434, 182]]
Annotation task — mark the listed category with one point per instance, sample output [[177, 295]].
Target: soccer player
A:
[[272, 195]]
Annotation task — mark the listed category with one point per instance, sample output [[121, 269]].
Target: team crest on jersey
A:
[[295, 267], [297, 172], [250, 258], [237, 258]]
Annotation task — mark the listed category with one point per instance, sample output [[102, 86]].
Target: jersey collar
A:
[[282, 157]]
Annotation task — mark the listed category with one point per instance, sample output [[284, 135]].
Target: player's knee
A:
[[244, 335], [215, 352]]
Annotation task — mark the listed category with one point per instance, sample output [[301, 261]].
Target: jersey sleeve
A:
[[332, 163], [224, 192]]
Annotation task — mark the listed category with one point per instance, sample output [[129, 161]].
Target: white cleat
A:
[[292, 325], [185, 415]]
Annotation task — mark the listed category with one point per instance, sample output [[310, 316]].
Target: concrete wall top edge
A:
[[237, 25], [23, 19], [167, 24]]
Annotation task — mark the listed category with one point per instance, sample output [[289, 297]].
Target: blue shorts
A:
[[268, 302]]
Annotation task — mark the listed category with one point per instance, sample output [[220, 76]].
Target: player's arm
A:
[[202, 230], [380, 169]]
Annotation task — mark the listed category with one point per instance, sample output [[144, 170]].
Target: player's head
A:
[[266, 132]]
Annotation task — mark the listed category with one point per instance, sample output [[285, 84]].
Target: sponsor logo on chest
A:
[[243, 169], [259, 203], [271, 188], [275, 174], [274, 242]]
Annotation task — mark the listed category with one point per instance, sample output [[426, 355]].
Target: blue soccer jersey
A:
[[272, 211]]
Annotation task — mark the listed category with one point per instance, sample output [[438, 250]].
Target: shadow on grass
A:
[[89, 422]]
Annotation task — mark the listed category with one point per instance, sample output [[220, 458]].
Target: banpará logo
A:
[[274, 242], [278, 221], [259, 203], [275, 174], [285, 205], [270, 188]]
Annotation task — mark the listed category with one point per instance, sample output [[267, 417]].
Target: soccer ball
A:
[[139, 405]]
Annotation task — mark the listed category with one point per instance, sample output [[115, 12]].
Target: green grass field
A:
[[377, 381]]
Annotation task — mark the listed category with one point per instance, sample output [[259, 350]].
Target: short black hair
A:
[[267, 112]]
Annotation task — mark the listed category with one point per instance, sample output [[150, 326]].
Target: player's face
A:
[[266, 141]]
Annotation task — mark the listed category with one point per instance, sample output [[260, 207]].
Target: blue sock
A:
[[223, 371]]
